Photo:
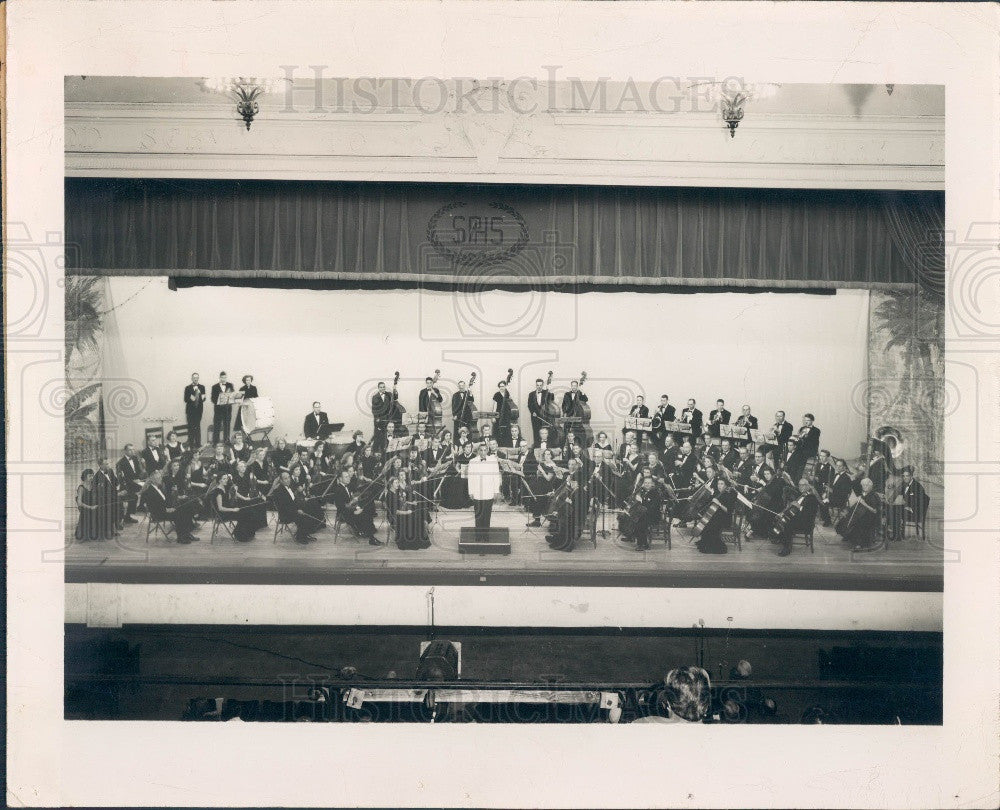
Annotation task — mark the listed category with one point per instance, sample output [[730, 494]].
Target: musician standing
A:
[[462, 406], [249, 391], [806, 447], [693, 417], [130, 474], [383, 409], [665, 412], [502, 403], [429, 397], [719, 416], [194, 406], [223, 414], [778, 436], [316, 425], [638, 411], [746, 420], [483, 475], [537, 401]]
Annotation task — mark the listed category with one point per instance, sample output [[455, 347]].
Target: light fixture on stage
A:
[[732, 96], [244, 90]]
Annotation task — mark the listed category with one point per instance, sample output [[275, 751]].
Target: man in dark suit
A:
[[744, 465], [316, 424], [718, 416], [130, 475], [878, 471], [537, 400], [359, 518], [109, 501], [822, 479], [429, 403], [693, 417], [194, 405], [153, 456], [728, 457], [806, 447], [841, 486], [746, 420], [182, 515], [572, 398], [462, 405], [640, 411], [777, 443], [223, 414], [293, 508], [384, 409], [666, 412], [915, 498]]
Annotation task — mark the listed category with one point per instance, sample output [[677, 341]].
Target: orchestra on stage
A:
[[720, 479]]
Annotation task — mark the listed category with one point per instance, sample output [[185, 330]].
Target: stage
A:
[[909, 565]]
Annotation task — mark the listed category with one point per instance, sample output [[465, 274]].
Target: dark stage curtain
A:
[[566, 237]]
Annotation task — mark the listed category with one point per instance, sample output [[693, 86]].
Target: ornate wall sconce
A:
[[245, 91], [732, 96]]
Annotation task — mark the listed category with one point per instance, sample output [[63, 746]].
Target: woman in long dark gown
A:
[[228, 507], [408, 517], [86, 505]]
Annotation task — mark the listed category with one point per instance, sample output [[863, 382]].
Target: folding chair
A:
[[161, 523], [281, 526], [229, 524]]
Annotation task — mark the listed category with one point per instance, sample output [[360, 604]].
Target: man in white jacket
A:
[[483, 474]]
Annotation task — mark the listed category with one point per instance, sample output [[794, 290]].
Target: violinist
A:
[[684, 467], [710, 541], [601, 443], [229, 506], [221, 462], [760, 465], [798, 516], [352, 511], [174, 482], [728, 457], [281, 455], [547, 478], [657, 470], [197, 480], [261, 470], [606, 481]]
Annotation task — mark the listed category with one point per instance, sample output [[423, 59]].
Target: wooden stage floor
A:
[[910, 565]]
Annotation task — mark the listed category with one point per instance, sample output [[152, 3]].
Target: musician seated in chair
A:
[[717, 520], [642, 515], [566, 524], [859, 527], [182, 516], [295, 508], [798, 516], [360, 517], [228, 507]]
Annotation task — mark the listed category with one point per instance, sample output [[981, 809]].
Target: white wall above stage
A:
[[792, 351]]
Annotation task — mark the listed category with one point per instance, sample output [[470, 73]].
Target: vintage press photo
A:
[[510, 401]]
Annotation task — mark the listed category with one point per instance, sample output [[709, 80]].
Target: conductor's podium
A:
[[494, 540]]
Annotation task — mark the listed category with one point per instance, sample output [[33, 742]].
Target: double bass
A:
[[514, 412], [434, 409]]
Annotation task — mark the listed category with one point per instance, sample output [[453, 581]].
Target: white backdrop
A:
[[796, 352]]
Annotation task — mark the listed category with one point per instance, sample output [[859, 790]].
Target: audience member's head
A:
[[688, 693]]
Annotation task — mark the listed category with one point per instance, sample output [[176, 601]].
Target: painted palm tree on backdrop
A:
[[912, 326], [83, 309]]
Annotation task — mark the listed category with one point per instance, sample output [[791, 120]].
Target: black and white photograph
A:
[[506, 392], [600, 378]]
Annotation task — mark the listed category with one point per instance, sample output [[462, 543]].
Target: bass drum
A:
[[257, 413]]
